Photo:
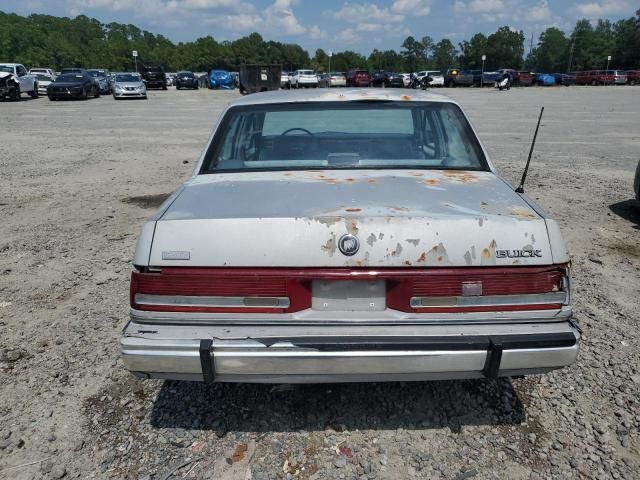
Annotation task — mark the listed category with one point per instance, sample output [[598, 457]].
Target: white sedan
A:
[[437, 79], [304, 78], [347, 235]]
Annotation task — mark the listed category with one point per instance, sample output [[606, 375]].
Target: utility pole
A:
[[484, 57], [531, 44], [606, 72], [573, 43]]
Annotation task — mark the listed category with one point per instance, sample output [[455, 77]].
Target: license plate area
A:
[[349, 295]]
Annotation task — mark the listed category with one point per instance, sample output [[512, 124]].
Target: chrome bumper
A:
[[306, 354]]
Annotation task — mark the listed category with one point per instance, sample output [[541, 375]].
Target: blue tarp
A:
[[221, 79]]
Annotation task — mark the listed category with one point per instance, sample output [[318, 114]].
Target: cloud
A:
[[539, 12], [279, 18], [479, 6], [599, 9], [367, 13], [417, 8], [316, 33]]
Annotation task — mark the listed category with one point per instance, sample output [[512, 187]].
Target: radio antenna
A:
[[520, 188]]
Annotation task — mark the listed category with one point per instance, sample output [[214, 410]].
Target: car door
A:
[[26, 83]]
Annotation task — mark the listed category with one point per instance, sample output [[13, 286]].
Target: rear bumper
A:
[[306, 354]]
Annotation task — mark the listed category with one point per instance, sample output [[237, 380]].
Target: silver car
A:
[[129, 85], [351, 235]]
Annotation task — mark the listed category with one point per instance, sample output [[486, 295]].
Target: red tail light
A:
[[286, 290]]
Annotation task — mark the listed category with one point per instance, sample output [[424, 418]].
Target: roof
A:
[[338, 95]]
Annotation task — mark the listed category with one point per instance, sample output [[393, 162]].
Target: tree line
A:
[[48, 41]]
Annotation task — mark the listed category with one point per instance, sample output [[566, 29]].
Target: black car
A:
[[72, 70], [565, 79], [394, 80], [186, 80], [154, 77], [103, 77], [379, 78], [73, 85]]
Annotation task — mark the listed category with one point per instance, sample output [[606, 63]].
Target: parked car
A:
[[129, 85], [154, 76], [333, 79], [633, 77], [14, 81], [73, 85], [379, 78], [355, 269], [43, 82], [221, 79], [284, 80], [544, 79], [358, 78], [395, 80], [489, 78], [102, 77], [186, 80], [171, 79], [72, 70], [523, 79], [406, 79], [437, 79], [44, 71], [601, 77], [304, 78], [565, 79], [454, 77]]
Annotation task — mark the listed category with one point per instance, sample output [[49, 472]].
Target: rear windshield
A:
[[305, 72], [70, 77], [127, 77], [298, 136]]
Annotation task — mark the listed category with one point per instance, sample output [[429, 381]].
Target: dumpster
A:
[[259, 78]]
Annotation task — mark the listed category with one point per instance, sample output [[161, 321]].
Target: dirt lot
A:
[[77, 179]]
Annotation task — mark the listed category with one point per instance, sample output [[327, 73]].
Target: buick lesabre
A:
[[356, 235]]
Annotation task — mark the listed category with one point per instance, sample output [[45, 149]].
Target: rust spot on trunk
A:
[[397, 251], [372, 181], [405, 98], [431, 181], [352, 227], [351, 210], [417, 174], [488, 256], [461, 176], [422, 258], [330, 246]]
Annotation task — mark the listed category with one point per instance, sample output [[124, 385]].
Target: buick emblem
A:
[[349, 244]]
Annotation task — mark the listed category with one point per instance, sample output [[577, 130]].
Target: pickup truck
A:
[[15, 80], [454, 77]]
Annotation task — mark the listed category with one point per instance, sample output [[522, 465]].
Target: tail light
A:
[[285, 290], [219, 290]]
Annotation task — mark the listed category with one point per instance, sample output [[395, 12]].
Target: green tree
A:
[[505, 49], [551, 53], [444, 55], [471, 51]]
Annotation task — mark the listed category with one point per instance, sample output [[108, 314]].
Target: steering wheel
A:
[[297, 128]]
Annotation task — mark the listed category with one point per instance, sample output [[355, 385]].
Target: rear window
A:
[[344, 135]]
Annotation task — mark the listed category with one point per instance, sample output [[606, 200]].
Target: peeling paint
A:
[[331, 246], [480, 221], [523, 212], [371, 239], [489, 254], [328, 221], [473, 252], [381, 235], [352, 227], [467, 258], [438, 255], [397, 251], [422, 258], [413, 241]]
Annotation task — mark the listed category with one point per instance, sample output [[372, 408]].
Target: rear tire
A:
[[15, 95], [34, 93], [96, 93]]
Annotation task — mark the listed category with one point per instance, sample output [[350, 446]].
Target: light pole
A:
[[135, 58], [606, 73], [484, 57]]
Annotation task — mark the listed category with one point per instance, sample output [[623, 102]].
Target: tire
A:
[[164, 87], [84, 94], [96, 93], [51, 99], [177, 87], [594, 83], [15, 94], [115, 98], [196, 87], [34, 93]]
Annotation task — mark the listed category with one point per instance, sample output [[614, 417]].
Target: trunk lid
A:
[[402, 218]]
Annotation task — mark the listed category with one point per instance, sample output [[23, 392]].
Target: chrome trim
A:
[[320, 318], [222, 302], [490, 300]]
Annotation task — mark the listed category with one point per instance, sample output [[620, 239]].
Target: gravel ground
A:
[[79, 178]]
